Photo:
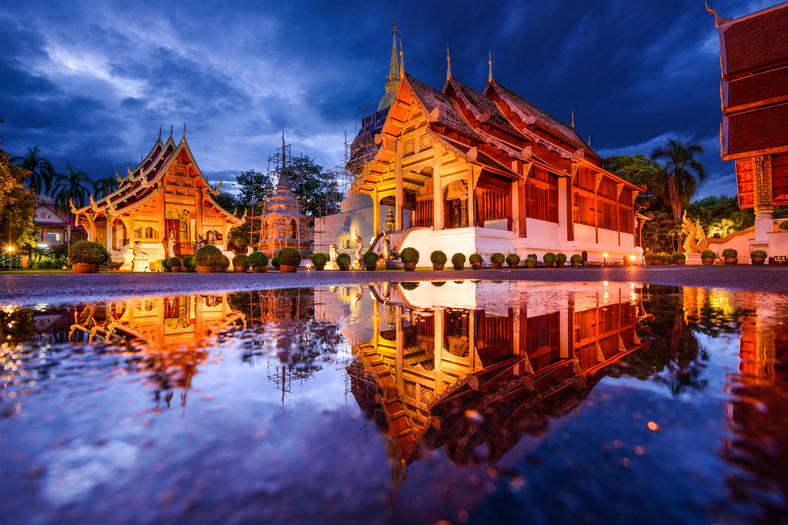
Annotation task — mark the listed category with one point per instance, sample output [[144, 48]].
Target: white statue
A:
[[359, 248], [386, 242], [332, 253], [171, 245], [139, 261]]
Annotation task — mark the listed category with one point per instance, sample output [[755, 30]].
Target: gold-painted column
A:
[[400, 196], [762, 177], [437, 193]]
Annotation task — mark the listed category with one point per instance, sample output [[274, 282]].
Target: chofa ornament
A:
[[696, 238]]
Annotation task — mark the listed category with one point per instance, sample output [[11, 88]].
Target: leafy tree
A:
[[71, 187], [315, 190], [105, 186], [42, 174], [228, 202], [641, 171], [17, 206], [681, 168], [254, 187]]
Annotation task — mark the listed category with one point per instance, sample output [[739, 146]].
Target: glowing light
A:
[[9, 249], [42, 245], [653, 426], [605, 283], [632, 257], [604, 255]]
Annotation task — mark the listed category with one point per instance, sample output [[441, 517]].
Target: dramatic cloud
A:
[[92, 83]]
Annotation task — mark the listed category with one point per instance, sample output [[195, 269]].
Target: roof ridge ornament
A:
[[489, 61], [184, 132], [717, 17], [159, 133], [573, 117], [448, 63], [170, 131], [401, 61]]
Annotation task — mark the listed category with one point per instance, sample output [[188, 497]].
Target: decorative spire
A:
[[448, 63], [170, 130], [401, 61], [159, 132], [589, 141], [392, 80], [489, 61], [573, 117], [184, 132]]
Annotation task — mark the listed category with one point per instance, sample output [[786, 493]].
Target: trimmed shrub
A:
[[533, 256], [729, 253], [437, 283], [289, 256], [224, 263], [758, 254], [560, 258], [497, 258], [275, 262], [678, 256], [409, 285], [409, 255], [343, 260], [458, 258], [475, 258], [173, 262], [258, 260], [576, 258], [189, 262], [513, 259], [319, 259], [783, 226], [549, 258], [665, 257], [209, 256], [708, 254], [88, 252], [370, 258], [530, 260], [159, 264], [438, 257], [241, 260]]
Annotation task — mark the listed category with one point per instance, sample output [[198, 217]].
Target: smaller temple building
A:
[[283, 224], [164, 207]]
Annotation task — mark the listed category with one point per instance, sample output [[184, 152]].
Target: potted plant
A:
[[224, 264], [409, 285], [576, 260], [530, 262], [158, 265], [783, 226], [87, 256], [319, 260], [370, 260], [438, 260], [496, 260], [476, 261], [174, 264], [678, 258], [512, 260], [409, 257], [189, 264], [275, 263], [343, 261], [289, 259], [258, 261], [758, 256], [560, 259], [707, 257], [730, 255], [458, 261], [241, 263], [549, 259], [208, 259]]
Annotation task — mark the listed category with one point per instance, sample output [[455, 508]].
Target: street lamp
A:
[[604, 261]]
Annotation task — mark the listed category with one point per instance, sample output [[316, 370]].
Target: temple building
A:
[[754, 133], [490, 172], [53, 226], [165, 203]]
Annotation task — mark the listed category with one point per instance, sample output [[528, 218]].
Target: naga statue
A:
[[359, 263], [696, 238]]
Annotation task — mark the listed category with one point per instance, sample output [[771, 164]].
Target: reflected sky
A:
[[462, 401]]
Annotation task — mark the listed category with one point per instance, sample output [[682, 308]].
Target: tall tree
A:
[[684, 172], [315, 190], [17, 205], [71, 187], [254, 187], [105, 186], [42, 174]]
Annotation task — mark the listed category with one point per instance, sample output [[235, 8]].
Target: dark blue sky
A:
[[91, 83]]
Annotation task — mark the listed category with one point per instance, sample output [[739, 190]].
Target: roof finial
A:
[[489, 61], [184, 131], [712, 11], [170, 130], [448, 63], [401, 61], [589, 141], [394, 68], [159, 132], [573, 117]]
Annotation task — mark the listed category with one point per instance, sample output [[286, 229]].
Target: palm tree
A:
[[41, 171], [71, 188], [680, 163], [105, 186]]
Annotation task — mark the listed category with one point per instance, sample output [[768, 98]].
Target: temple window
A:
[[541, 196]]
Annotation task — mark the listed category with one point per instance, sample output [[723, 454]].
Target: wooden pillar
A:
[[109, 234], [439, 317], [399, 197], [471, 199], [437, 192], [198, 215], [570, 206], [563, 206], [400, 336], [375, 212], [162, 222], [596, 207], [132, 238], [514, 199]]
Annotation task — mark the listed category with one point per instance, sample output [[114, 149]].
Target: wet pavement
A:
[[452, 401]]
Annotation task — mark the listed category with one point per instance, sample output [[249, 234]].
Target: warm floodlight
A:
[[9, 249]]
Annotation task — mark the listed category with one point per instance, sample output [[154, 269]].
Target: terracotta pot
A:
[[205, 269], [286, 268], [731, 260], [409, 266], [681, 262], [531, 265], [548, 265], [344, 268], [708, 261], [175, 269], [758, 260], [85, 268], [559, 265], [496, 266], [371, 267], [319, 268], [240, 269], [576, 265], [476, 266], [458, 266], [259, 269], [511, 266], [438, 267]]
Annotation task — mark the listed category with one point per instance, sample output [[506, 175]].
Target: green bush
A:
[[258, 260], [783, 226], [708, 254], [549, 258], [88, 252], [475, 258], [438, 257], [188, 262], [649, 256], [560, 258], [409, 285], [289, 256], [241, 260], [513, 259], [209, 256], [224, 263], [343, 260], [678, 256], [159, 264], [758, 254], [173, 262], [275, 262], [458, 258], [530, 260], [497, 258], [319, 259], [729, 253], [665, 257], [409, 255], [370, 258], [533, 256], [576, 258]]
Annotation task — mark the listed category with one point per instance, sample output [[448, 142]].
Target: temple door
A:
[[173, 227]]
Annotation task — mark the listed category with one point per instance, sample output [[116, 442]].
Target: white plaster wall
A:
[[778, 244]]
